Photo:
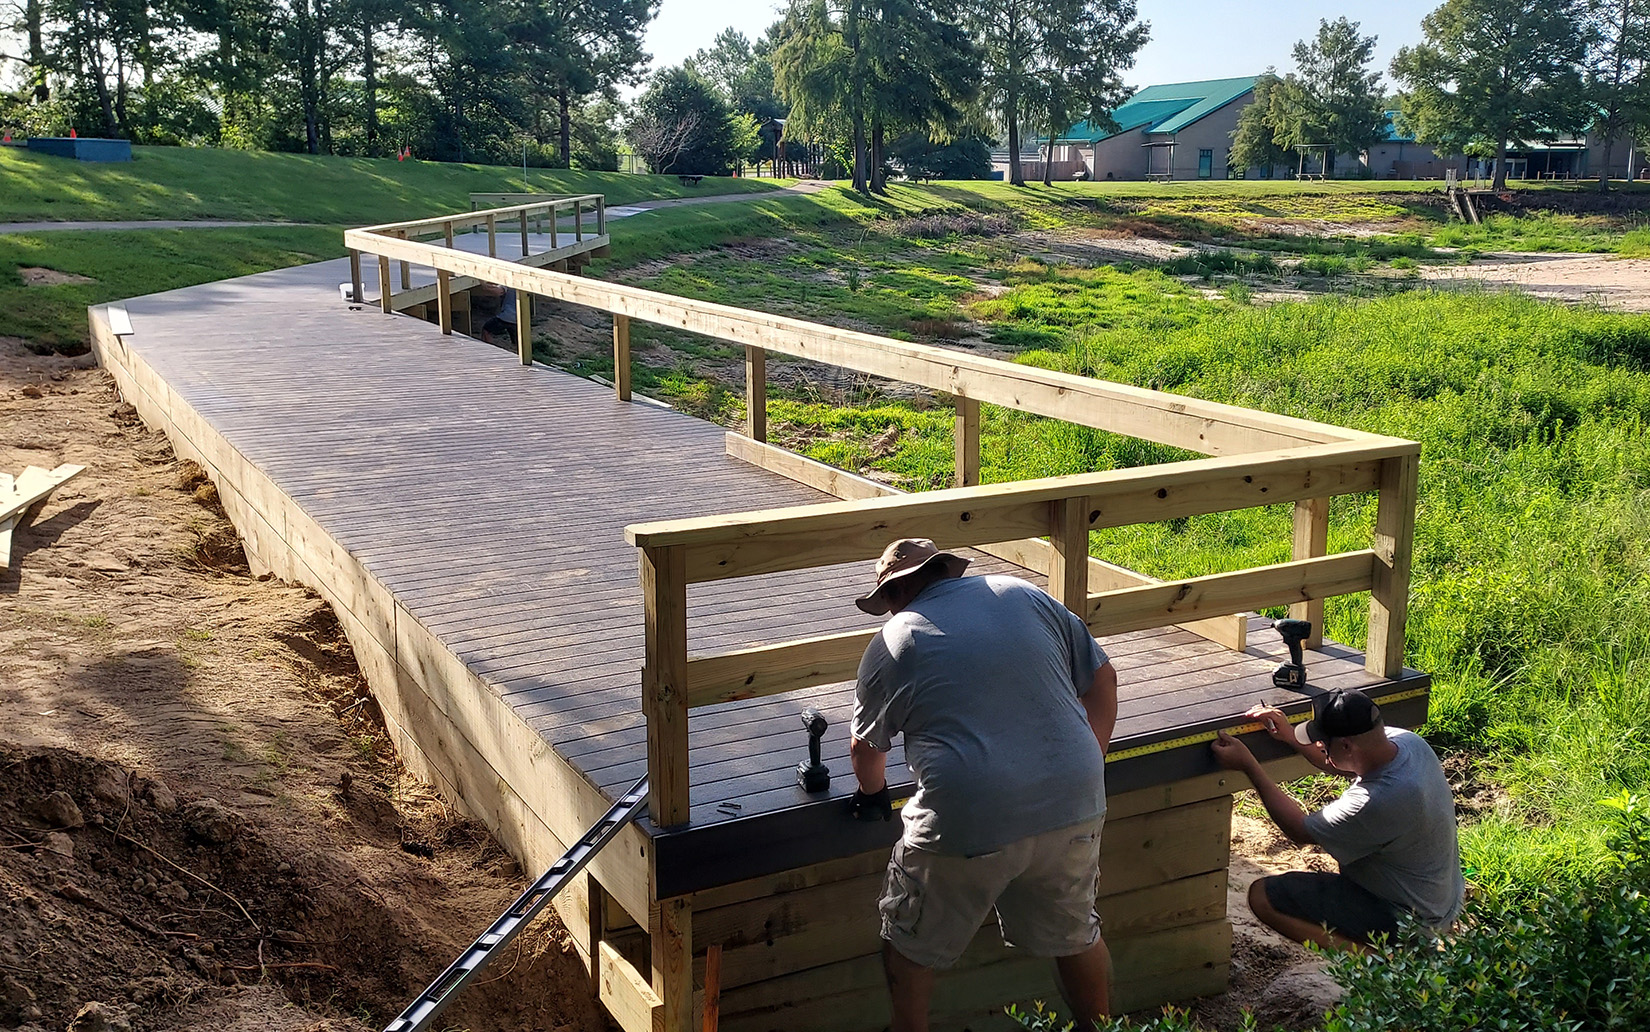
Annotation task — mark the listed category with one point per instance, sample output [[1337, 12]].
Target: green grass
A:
[[1547, 231], [208, 183], [126, 264]]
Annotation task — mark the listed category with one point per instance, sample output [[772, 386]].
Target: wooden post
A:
[[554, 218], [355, 275], [444, 298], [601, 216], [713, 987], [664, 682], [1311, 541], [524, 232], [621, 356], [524, 327], [384, 284], [1068, 532], [597, 920], [967, 436], [406, 269], [447, 231], [1394, 541], [670, 929], [756, 393], [578, 220], [492, 236]]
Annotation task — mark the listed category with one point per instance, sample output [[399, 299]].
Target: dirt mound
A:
[[202, 823]]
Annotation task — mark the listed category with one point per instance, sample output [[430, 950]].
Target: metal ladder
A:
[[422, 1012]]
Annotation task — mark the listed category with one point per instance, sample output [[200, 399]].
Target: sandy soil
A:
[[201, 824], [1617, 283]]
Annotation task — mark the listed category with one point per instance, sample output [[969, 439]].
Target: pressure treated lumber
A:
[[19, 494], [664, 678], [628, 997], [1128, 609], [1394, 543], [966, 431], [621, 357], [1311, 539], [756, 393]]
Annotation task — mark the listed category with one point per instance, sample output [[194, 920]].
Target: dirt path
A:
[[201, 824], [1617, 283], [47, 227]]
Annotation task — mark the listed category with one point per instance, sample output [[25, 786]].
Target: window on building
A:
[[1205, 163]]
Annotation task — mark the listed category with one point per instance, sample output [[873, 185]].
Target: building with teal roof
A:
[[1178, 130]]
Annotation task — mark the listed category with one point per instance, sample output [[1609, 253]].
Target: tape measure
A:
[[1134, 752]]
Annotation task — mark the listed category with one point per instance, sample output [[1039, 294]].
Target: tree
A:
[[1334, 93], [1618, 72], [1030, 44], [1491, 72], [1254, 141], [681, 126], [821, 68], [924, 76], [1084, 48], [920, 158], [576, 48]]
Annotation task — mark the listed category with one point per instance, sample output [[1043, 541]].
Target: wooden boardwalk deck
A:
[[489, 499]]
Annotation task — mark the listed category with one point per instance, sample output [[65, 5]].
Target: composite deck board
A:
[[489, 500]]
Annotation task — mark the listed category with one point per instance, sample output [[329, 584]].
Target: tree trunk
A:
[[1604, 168], [1016, 174], [879, 180], [370, 84], [565, 131], [1048, 159], [35, 22], [856, 94], [1500, 180]]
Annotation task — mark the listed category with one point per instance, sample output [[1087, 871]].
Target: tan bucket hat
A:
[[903, 558]]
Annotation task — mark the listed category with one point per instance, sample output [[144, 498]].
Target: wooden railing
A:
[[1255, 459]]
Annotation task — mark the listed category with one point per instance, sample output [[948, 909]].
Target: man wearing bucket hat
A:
[[1006, 704], [1392, 831]]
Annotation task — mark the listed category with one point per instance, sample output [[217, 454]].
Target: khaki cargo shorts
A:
[[1043, 888]]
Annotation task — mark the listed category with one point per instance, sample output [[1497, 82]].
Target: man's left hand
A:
[[1231, 753]]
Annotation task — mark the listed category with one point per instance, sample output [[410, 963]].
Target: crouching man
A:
[[1007, 704], [1392, 831]]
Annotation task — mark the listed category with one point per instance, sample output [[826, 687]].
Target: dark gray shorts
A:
[[1333, 900]]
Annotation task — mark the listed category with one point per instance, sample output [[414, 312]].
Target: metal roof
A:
[[1168, 108]]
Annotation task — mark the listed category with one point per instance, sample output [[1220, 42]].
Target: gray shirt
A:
[[1393, 832], [983, 676]]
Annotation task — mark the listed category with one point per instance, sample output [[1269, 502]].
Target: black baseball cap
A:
[[1339, 714]]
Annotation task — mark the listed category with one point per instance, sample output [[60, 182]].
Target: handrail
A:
[[479, 218]]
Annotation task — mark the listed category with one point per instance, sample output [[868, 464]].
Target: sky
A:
[[1191, 39]]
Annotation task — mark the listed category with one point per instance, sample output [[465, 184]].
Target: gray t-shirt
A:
[[1393, 832], [983, 675]]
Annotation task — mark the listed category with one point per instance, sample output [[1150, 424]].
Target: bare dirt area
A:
[[34, 276], [202, 825], [1616, 283]]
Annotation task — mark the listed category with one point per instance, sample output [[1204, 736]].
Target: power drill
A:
[[813, 775], [1293, 673]]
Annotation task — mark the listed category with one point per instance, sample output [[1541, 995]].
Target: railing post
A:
[[524, 232], [578, 220], [967, 434], [621, 356], [406, 269], [1394, 541], [444, 299], [756, 393], [1068, 532], [664, 682], [492, 236], [554, 218], [1311, 541], [447, 231], [601, 216], [355, 275], [524, 327], [670, 932], [384, 284]]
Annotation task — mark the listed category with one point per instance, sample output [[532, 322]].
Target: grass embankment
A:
[[1532, 586], [208, 183]]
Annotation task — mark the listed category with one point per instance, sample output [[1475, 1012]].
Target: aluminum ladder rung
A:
[[422, 1012]]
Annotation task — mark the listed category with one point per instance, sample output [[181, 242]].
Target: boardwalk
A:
[[486, 500]]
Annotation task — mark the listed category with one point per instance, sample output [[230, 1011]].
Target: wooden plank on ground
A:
[[19, 494], [633, 1004]]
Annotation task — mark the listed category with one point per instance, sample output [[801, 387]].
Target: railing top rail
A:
[[765, 541], [482, 213], [1192, 423]]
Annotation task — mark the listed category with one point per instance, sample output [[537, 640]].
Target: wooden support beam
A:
[[756, 393], [664, 682], [444, 299], [447, 232], [524, 327], [596, 928], [1311, 541], [578, 220], [744, 544], [601, 216], [492, 236], [19, 494], [406, 271], [355, 275], [670, 934], [967, 435], [1068, 532], [384, 297], [555, 215], [765, 670], [1393, 546], [1131, 609], [621, 357], [713, 987], [628, 997], [524, 236]]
